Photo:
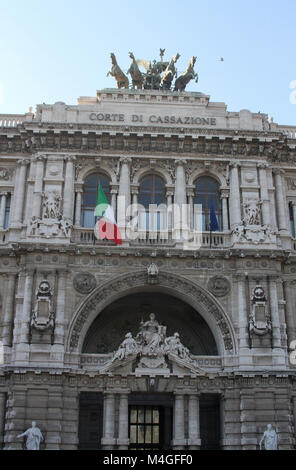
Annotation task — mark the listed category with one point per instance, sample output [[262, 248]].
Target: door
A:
[[150, 422], [90, 420], [210, 422]]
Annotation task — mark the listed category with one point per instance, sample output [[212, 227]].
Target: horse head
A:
[[176, 57], [113, 58], [131, 55]]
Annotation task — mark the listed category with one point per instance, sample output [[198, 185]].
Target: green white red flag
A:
[[106, 226]]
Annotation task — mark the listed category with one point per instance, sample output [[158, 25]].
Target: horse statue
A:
[[117, 73], [135, 73], [189, 74], [169, 73]]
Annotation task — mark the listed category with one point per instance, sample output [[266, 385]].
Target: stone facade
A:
[[56, 279]]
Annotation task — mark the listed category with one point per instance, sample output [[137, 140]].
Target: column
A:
[[38, 186], [294, 416], [225, 220], [190, 194], [235, 199], [193, 422], [2, 210], [180, 209], [78, 207], [108, 439], [69, 188], [266, 219], [2, 417], [19, 192], [114, 200], [289, 292], [169, 196], [242, 313], [274, 310], [60, 311], [179, 440], [281, 203], [294, 217], [123, 440], [22, 348], [8, 310], [124, 197]]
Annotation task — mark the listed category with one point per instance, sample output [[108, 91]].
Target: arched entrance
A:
[[142, 408]]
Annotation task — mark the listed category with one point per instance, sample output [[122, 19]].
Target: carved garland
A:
[[138, 279]]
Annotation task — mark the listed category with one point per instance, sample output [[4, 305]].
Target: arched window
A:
[[89, 197], [207, 193], [152, 192]]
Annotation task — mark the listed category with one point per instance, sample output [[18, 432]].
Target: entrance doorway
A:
[[150, 421]]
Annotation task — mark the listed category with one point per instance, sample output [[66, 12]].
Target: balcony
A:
[[85, 236]]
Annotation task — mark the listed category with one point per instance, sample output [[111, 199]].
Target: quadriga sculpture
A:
[[189, 74], [117, 73]]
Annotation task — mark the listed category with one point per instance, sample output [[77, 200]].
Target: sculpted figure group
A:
[[151, 341], [153, 79]]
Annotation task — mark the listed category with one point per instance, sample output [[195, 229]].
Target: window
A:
[[89, 197], [292, 221], [152, 192], [207, 193], [144, 427], [7, 211]]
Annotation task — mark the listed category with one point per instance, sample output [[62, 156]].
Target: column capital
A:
[[5, 193], [224, 193], [125, 160], [180, 162], [23, 161], [262, 165], [41, 158], [278, 171], [234, 164], [70, 158]]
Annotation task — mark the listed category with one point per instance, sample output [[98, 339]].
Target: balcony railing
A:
[[85, 236]]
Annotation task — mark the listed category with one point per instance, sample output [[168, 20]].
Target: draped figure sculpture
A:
[[34, 436]]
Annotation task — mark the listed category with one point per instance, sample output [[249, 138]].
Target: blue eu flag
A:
[[214, 226]]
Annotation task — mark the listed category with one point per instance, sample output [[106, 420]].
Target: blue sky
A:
[[59, 50]]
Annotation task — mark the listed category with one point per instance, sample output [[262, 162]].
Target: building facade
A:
[[68, 300]]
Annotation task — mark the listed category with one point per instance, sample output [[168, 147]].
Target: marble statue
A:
[[128, 347], [173, 345], [252, 212], [151, 336], [34, 436], [269, 439], [51, 205]]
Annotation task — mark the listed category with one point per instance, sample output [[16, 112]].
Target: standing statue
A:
[[117, 73], [135, 73], [189, 74], [34, 437], [169, 73], [269, 438]]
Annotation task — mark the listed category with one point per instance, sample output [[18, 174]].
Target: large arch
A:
[[177, 286]]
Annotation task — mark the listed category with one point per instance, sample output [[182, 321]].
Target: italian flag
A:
[[106, 227]]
